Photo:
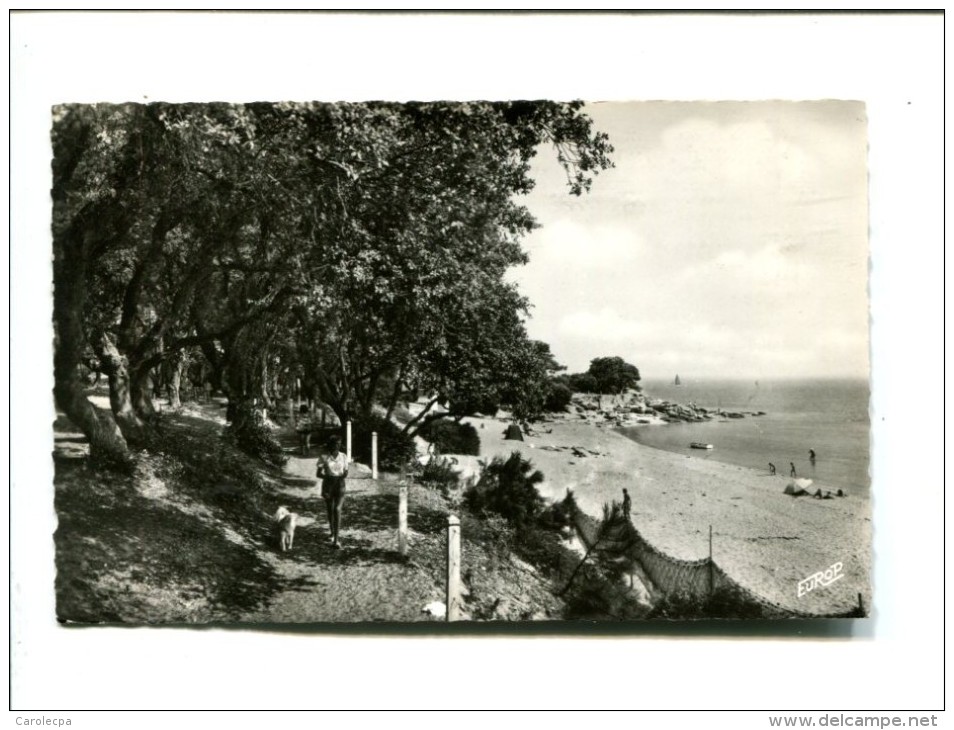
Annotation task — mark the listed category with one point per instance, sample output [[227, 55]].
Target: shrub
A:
[[452, 437], [558, 398], [395, 449], [721, 603], [543, 547], [252, 436], [595, 596], [557, 516], [508, 488], [438, 474], [582, 383]]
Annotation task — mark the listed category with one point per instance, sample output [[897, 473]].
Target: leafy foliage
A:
[[396, 449], [558, 398], [582, 383], [438, 474], [253, 436], [452, 437], [721, 603], [595, 596], [530, 385], [359, 248], [609, 542], [613, 374], [508, 488]]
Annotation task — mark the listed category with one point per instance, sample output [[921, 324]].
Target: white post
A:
[[402, 520], [348, 440], [374, 454], [453, 568]]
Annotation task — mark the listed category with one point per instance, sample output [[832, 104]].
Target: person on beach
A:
[[792, 473], [303, 429], [811, 455], [332, 469], [627, 504], [771, 468]]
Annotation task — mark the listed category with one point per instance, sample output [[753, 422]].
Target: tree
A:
[[558, 397], [610, 545], [613, 374], [416, 270], [360, 246], [162, 231], [88, 168], [508, 487], [582, 383]]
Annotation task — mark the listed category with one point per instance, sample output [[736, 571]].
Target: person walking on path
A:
[[811, 455], [771, 468], [303, 427], [792, 473], [332, 469], [627, 504]]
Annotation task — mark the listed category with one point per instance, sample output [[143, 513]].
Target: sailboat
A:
[[677, 381]]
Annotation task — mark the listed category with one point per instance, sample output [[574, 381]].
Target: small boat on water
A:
[[700, 445]]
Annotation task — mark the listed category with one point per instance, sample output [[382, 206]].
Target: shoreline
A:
[[764, 539], [714, 456]]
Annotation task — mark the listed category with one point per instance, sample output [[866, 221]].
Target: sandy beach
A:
[[765, 540]]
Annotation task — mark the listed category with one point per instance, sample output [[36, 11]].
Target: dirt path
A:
[[158, 546], [367, 580]]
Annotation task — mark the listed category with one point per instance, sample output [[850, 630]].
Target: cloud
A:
[[729, 236], [568, 242], [605, 325]]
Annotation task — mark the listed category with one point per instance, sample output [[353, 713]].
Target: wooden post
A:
[[453, 568], [711, 575], [402, 520], [374, 454], [348, 440]]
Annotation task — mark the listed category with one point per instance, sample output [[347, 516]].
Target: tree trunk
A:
[[106, 443], [263, 383], [175, 382], [145, 386], [116, 367], [420, 416], [395, 393]]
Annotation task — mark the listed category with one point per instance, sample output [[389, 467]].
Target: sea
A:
[[828, 416]]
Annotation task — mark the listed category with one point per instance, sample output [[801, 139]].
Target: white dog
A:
[[285, 527]]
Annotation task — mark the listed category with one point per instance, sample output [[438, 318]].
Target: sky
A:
[[730, 240]]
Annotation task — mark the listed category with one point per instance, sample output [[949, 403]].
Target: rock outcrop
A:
[[635, 408]]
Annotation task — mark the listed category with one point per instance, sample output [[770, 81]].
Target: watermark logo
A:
[[821, 578]]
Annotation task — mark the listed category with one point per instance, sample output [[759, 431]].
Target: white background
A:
[[890, 662]]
